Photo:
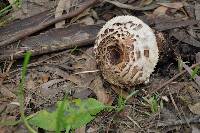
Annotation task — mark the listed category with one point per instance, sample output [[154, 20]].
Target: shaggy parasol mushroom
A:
[[126, 51]]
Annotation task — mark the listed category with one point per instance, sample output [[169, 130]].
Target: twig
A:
[[189, 70], [173, 78], [86, 72], [41, 26], [194, 120], [121, 5], [38, 62]]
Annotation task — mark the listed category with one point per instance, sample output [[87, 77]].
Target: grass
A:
[[21, 91], [122, 102], [8, 8], [93, 107]]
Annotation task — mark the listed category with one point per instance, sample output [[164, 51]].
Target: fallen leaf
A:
[[99, 90], [198, 57], [195, 129], [174, 23], [175, 5], [182, 36], [30, 84], [62, 5], [120, 91], [195, 108], [6, 92], [145, 2], [82, 94], [83, 14], [80, 130], [87, 20], [45, 78], [161, 10], [46, 89], [32, 7], [197, 11]]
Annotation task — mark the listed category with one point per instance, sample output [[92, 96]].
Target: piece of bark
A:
[[19, 25], [41, 26], [53, 40]]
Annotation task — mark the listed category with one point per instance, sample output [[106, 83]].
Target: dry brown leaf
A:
[[161, 10], [30, 85], [99, 90], [83, 14], [197, 11], [6, 92], [171, 23], [82, 94], [182, 36], [45, 78], [120, 91], [62, 5], [46, 89], [76, 79], [195, 108], [87, 20], [14, 6], [198, 57], [32, 7], [175, 5], [195, 129], [145, 2], [80, 130]]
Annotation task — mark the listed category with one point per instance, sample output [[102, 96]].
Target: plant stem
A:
[[21, 91]]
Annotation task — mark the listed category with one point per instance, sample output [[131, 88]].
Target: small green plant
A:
[[154, 103], [74, 50], [180, 64], [9, 7], [196, 71], [122, 101], [21, 91], [68, 115]]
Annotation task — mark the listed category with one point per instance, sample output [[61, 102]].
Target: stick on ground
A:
[[41, 26]]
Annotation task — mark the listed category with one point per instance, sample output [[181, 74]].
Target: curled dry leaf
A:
[[62, 5], [80, 130], [161, 10], [175, 5], [6, 92], [102, 96], [195, 109], [197, 11], [182, 36], [87, 20], [46, 89], [198, 57]]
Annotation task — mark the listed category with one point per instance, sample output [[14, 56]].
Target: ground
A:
[[63, 64]]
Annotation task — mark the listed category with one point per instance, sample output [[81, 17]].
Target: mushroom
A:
[[126, 51]]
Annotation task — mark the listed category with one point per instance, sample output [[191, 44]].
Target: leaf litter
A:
[[74, 74]]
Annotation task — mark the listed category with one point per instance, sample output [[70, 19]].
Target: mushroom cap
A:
[[126, 51]]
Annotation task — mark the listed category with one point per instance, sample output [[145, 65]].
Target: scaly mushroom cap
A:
[[126, 51]]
